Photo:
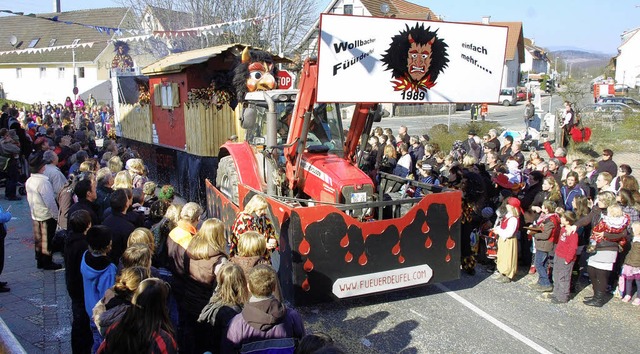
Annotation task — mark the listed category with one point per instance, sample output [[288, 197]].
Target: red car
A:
[[523, 94]]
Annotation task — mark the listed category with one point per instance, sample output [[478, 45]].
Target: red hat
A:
[[515, 202], [503, 181]]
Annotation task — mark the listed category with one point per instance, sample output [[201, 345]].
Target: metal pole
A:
[[280, 29], [449, 119], [75, 79]]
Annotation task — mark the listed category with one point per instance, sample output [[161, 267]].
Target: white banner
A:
[[382, 281], [372, 59]]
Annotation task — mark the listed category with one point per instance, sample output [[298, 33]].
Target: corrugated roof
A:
[[27, 28], [177, 62]]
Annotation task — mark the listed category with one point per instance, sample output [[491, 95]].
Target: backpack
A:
[[65, 200]]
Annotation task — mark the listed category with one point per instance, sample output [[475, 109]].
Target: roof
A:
[[535, 51], [515, 40], [400, 9], [27, 28], [177, 62]]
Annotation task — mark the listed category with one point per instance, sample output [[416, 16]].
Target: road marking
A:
[[512, 332]]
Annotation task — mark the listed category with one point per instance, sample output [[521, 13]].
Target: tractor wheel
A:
[[227, 178]]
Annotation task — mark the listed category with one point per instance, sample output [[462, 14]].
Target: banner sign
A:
[[382, 281], [373, 59]]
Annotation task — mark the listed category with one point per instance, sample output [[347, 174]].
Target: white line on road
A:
[[512, 332]]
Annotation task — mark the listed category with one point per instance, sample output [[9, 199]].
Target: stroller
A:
[[23, 174]]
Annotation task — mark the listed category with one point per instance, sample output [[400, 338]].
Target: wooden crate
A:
[[136, 124], [207, 127]]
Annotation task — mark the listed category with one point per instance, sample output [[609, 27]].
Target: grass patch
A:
[[444, 137], [620, 136], [18, 104]]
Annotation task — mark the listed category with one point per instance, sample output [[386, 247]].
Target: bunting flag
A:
[[140, 35]]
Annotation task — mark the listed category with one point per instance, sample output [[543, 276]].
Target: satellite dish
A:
[[13, 40], [384, 8]]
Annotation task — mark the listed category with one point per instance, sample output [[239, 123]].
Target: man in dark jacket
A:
[[75, 247], [85, 190], [265, 322], [117, 222]]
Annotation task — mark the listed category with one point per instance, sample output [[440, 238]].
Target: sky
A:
[[594, 25]]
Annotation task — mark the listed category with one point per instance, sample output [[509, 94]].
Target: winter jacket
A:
[[120, 228], [74, 248], [109, 310], [264, 326], [546, 239], [98, 275], [633, 257], [567, 245], [217, 317]]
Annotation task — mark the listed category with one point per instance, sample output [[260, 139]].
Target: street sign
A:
[[75, 91], [285, 79]]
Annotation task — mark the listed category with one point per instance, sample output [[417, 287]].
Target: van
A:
[[508, 96]]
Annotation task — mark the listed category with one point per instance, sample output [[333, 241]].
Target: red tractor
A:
[[341, 234]]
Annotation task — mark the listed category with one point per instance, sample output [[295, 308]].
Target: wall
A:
[[627, 66]]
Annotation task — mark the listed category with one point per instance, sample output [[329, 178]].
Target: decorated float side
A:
[[178, 113]]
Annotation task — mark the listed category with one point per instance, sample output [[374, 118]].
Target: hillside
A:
[[582, 59]]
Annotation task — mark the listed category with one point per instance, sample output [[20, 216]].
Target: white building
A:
[[627, 62], [535, 58], [514, 55], [38, 56]]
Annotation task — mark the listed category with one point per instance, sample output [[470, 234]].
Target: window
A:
[[75, 41], [33, 42], [166, 95], [52, 42], [61, 73], [18, 73], [81, 72], [348, 9], [43, 72]]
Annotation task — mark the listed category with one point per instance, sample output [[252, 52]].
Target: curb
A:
[[8, 342]]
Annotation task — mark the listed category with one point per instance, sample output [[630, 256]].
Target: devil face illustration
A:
[[260, 77], [416, 56], [255, 71]]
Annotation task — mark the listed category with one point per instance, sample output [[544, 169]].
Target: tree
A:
[[297, 17]]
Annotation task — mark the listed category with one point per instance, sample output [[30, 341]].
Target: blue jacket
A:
[[96, 281]]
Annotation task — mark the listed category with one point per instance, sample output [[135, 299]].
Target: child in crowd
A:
[[227, 301], [265, 322], [98, 273], [631, 268], [549, 224], [254, 218], [565, 256], [250, 251], [506, 229], [615, 222]]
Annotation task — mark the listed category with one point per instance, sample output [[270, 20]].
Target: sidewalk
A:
[[37, 309]]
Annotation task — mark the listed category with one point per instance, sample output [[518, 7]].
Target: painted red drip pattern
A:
[[425, 228], [308, 266], [428, 243], [401, 259], [304, 248], [450, 243], [363, 259], [396, 249], [344, 243], [447, 258], [348, 257], [305, 285]]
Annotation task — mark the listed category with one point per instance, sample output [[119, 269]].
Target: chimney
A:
[[56, 6], [486, 20]]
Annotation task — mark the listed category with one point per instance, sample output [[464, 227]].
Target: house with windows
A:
[[515, 52], [43, 57], [308, 47], [626, 64], [535, 58]]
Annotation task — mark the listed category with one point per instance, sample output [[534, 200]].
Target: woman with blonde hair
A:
[[226, 302], [206, 256], [122, 181], [506, 229], [117, 299], [254, 218], [115, 164], [138, 172], [142, 235]]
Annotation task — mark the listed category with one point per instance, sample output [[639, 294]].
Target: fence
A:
[[404, 110], [135, 122], [207, 127]]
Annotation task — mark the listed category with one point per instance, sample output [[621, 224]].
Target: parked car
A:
[[621, 90], [633, 103], [523, 94], [508, 96]]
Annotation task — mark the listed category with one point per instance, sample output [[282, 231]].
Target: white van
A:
[[508, 96]]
